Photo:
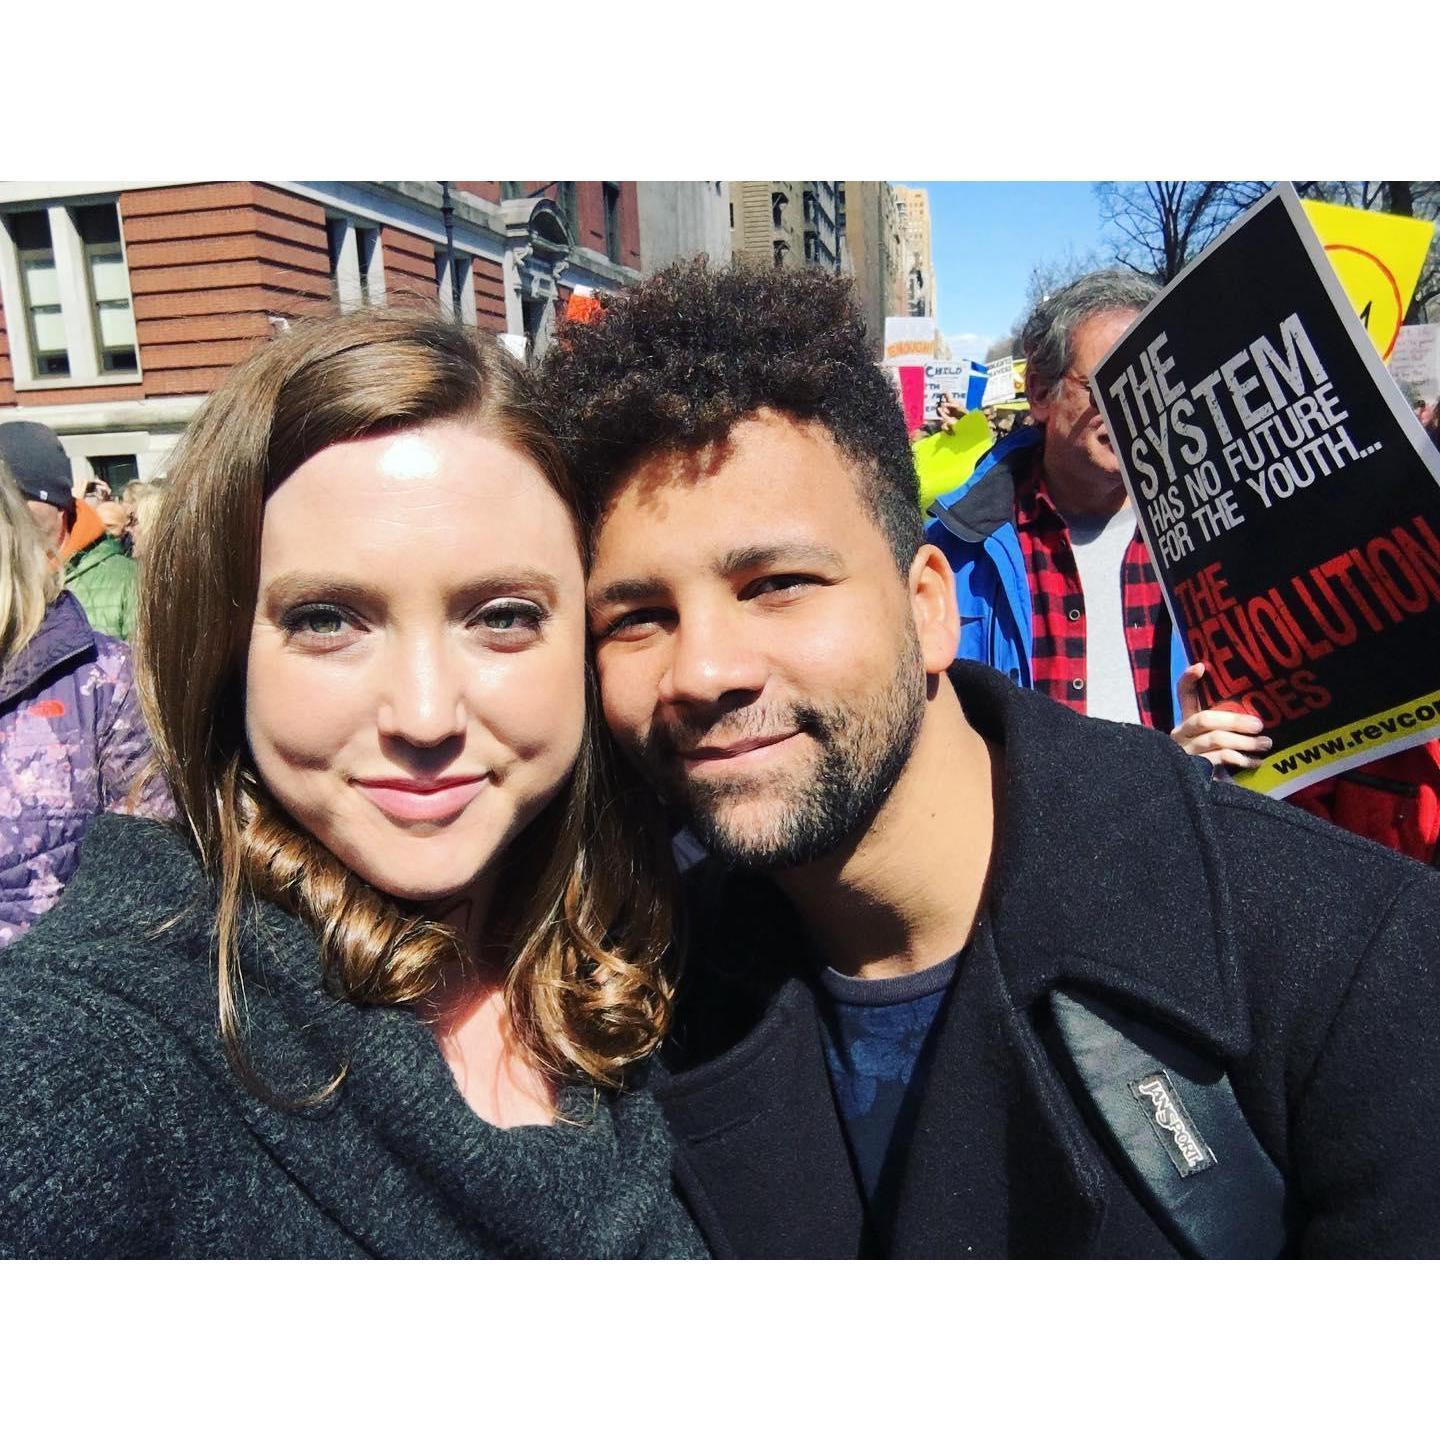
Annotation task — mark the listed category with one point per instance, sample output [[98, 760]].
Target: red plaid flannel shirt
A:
[[1058, 656]]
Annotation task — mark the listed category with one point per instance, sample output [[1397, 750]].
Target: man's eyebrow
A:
[[794, 552], [638, 589], [631, 591]]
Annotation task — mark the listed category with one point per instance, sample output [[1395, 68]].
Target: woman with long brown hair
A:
[[387, 986]]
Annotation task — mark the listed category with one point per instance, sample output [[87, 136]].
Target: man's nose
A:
[[421, 701], [712, 656]]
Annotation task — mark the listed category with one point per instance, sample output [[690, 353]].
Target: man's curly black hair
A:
[[677, 361]]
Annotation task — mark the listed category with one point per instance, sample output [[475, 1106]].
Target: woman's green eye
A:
[[511, 615], [320, 620]]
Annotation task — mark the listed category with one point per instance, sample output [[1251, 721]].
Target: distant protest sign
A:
[[963, 383], [1416, 358], [1290, 499], [1000, 381], [1378, 258], [923, 388], [909, 339]]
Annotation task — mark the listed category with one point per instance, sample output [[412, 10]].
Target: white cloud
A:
[[969, 346]]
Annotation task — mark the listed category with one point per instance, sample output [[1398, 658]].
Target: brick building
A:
[[122, 306]]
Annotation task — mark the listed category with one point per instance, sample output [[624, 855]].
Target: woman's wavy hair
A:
[[583, 896], [28, 581]]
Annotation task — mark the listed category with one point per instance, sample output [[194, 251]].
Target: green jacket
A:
[[102, 578]]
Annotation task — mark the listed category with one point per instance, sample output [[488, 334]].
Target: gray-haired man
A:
[[1055, 586]]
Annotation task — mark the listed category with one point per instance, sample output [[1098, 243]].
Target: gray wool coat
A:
[[124, 1131]]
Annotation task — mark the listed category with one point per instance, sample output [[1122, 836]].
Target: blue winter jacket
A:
[[975, 526]]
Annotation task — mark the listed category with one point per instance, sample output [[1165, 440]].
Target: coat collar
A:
[[984, 503], [64, 636], [1107, 871]]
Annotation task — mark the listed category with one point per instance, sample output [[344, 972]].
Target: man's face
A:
[[51, 521], [1077, 440], [756, 644]]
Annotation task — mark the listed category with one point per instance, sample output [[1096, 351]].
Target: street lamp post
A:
[[447, 214]]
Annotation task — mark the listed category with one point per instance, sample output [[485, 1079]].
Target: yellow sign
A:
[[1378, 258], [945, 462]]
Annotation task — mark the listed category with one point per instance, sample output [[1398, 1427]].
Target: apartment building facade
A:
[[786, 223], [680, 219], [123, 306], [914, 208], [872, 253]]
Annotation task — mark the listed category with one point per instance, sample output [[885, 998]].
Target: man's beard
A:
[[863, 751]]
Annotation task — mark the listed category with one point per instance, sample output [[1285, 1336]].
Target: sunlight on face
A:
[[415, 689]]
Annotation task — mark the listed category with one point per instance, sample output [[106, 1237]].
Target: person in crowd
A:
[[386, 987], [73, 744], [142, 497], [1053, 578], [917, 868], [97, 571]]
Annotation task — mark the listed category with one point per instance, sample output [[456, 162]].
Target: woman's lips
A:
[[433, 800]]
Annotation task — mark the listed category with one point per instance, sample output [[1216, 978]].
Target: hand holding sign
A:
[[1223, 737]]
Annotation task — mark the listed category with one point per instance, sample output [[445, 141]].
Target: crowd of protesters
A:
[[380, 949]]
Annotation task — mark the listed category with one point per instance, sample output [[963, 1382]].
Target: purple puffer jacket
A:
[[71, 744]]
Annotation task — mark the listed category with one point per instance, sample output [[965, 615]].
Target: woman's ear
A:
[[932, 602]]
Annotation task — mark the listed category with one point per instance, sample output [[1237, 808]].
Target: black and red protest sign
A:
[[1290, 499]]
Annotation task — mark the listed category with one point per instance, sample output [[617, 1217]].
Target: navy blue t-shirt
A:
[[875, 1035]]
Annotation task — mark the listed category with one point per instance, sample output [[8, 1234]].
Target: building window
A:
[[782, 249], [565, 200], [99, 227], [809, 248], [465, 268], [732, 214], [612, 220], [63, 268], [778, 201], [117, 471], [40, 291], [512, 190], [357, 265]]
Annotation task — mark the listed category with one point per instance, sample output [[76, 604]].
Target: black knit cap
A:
[[35, 457]]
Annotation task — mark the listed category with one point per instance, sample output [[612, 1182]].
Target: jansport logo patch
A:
[[1166, 1112]]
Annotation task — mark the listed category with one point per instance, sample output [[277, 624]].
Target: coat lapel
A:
[[998, 1164], [763, 1163]]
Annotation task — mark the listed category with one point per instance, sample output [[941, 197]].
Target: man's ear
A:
[[1039, 395], [932, 602]]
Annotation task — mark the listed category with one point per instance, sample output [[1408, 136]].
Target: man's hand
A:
[[949, 412], [1223, 737]]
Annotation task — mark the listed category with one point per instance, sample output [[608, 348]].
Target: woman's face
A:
[[415, 690]]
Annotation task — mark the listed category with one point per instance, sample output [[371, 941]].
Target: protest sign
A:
[[1378, 258], [909, 339], [963, 383], [923, 388], [1290, 499], [909, 382], [1000, 381], [1416, 358], [945, 462]]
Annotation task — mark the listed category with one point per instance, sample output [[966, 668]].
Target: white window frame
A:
[[77, 308], [467, 285], [352, 289]]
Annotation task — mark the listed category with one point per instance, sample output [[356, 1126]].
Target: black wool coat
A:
[[124, 1131], [1303, 958]]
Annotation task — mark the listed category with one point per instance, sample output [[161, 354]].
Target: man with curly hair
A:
[[938, 907]]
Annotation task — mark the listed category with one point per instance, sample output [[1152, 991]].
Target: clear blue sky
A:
[[985, 237]]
